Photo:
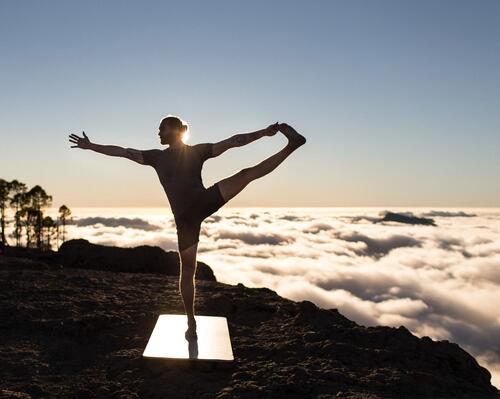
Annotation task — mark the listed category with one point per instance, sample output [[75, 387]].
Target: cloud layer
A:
[[441, 281]]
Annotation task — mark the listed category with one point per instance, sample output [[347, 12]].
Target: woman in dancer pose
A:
[[179, 170]]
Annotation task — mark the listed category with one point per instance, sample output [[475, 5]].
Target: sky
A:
[[398, 100]]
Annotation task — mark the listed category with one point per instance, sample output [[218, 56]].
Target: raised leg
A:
[[187, 285], [232, 185]]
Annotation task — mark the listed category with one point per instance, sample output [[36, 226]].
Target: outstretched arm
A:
[[111, 150], [242, 139], [117, 151]]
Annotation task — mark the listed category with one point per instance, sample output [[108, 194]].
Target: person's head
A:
[[172, 130]]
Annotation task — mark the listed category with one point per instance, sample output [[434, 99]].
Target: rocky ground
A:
[[77, 333]]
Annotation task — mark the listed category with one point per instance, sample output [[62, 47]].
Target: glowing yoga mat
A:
[[167, 339]]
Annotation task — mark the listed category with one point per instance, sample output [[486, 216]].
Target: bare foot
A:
[[294, 138], [190, 334], [191, 331]]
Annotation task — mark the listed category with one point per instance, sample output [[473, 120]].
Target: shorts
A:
[[189, 222]]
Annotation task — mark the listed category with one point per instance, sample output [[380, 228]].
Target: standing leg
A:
[[187, 285], [232, 185]]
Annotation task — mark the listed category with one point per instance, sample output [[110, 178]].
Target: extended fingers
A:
[[74, 139]]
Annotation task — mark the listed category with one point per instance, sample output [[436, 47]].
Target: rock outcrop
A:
[[77, 333], [82, 254], [405, 218]]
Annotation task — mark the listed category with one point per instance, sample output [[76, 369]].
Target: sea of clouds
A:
[[442, 281]]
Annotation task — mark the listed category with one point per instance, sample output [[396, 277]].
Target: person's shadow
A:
[[193, 347]]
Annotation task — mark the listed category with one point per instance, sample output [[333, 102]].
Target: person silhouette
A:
[[179, 170]]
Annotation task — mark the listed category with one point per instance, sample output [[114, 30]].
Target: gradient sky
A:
[[399, 100]]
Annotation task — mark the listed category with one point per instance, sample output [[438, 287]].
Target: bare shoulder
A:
[[204, 150]]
